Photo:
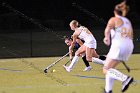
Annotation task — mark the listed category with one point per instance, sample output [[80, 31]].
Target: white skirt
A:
[[121, 53], [91, 45]]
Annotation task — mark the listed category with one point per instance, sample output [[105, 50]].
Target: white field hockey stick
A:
[[51, 65]]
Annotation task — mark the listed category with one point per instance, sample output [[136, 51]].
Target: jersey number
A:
[[125, 33]]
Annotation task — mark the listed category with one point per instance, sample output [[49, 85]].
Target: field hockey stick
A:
[[126, 66], [51, 65], [67, 62]]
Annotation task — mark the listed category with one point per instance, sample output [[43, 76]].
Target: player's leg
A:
[[90, 52], [98, 59], [85, 61], [112, 74], [108, 80], [88, 67], [92, 56], [75, 58]]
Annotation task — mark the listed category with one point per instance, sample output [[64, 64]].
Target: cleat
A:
[[67, 68], [126, 83], [87, 68]]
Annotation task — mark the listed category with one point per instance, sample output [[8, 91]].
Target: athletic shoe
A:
[[126, 83], [107, 92], [87, 68], [67, 68]]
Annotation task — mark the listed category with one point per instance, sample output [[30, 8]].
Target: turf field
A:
[[25, 75]]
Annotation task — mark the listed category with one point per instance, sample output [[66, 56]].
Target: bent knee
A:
[[105, 69], [77, 53], [89, 59]]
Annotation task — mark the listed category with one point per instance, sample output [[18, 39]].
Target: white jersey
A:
[[89, 39], [122, 44], [122, 34]]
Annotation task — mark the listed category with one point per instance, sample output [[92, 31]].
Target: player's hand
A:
[[107, 41]]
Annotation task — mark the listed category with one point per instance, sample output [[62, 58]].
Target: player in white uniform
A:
[[88, 47], [122, 46]]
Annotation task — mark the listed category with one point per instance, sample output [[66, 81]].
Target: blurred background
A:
[[35, 28]]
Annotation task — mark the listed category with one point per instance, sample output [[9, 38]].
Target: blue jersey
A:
[[76, 46]]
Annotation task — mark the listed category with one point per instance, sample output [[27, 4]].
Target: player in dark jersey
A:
[[68, 41]]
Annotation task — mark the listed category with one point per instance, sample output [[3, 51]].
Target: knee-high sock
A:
[[115, 74], [74, 61], [97, 61], [108, 83], [85, 61]]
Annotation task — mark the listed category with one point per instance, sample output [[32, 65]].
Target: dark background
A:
[[34, 28]]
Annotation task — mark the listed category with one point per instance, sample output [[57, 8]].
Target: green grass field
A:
[[25, 75]]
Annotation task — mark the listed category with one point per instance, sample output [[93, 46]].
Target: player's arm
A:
[[110, 25], [73, 42], [130, 34], [70, 54]]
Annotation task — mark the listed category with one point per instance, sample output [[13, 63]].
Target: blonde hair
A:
[[74, 22]]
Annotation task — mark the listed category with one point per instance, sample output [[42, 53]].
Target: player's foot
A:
[[67, 68], [107, 92], [87, 68], [126, 83]]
